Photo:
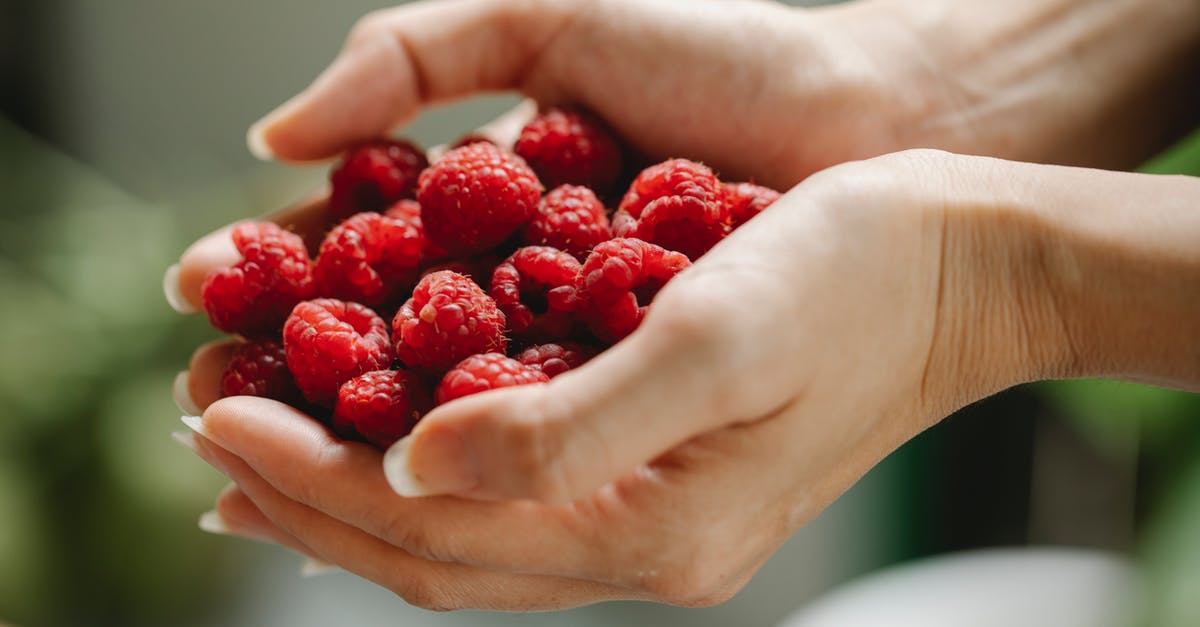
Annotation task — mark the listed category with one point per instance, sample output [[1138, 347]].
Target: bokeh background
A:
[[121, 141]]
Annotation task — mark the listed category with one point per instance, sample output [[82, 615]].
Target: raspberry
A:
[[447, 319], [370, 258], [480, 373], [747, 200], [618, 281], [569, 147], [259, 369], [679, 205], [535, 288], [472, 138], [475, 197], [254, 296], [555, 359], [569, 218], [328, 342], [373, 175], [382, 406], [409, 211]]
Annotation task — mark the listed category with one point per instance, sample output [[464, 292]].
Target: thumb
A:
[[562, 440], [397, 60]]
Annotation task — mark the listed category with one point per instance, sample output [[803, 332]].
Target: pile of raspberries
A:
[[446, 279]]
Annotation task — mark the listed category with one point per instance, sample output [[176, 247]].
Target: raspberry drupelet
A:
[[679, 205], [571, 147], [259, 368], [535, 288], [328, 341], [370, 258], [255, 295], [619, 280], [448, 318], [475, 197], [488, 371], [746, 200], [373, 175], [569, 218], [556, 358], [381, 406]]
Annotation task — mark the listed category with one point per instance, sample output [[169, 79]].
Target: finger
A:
[[427, 584], [200, 385], [239, 516], [397, 60], [557, 442], [303, 461], [183, 282]]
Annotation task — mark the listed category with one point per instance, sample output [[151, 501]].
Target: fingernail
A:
[[212, 522], [256, 141], [443, 465], [187, 439], [195, 423], [171, 290], [315, 568], [181, 395]]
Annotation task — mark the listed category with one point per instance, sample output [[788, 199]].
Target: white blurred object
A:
[[1036, 587]]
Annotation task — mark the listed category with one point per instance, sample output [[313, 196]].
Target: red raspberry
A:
[[747, 200], [569, 218], [382, 406], [679, 205], [370, 258], [475, 197], [479, 268], [618, 281], [535, 288], [410, 211], [480, 373], [329, 342], [569, 147], [254, 296], [472, 138], [373, 175], [259, 369], [555, 359], [448, 318]]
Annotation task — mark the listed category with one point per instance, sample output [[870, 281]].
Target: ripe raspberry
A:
[[569, 147], [448, 318], [409, 211], [373, 175], [618, 281], [254, 296], [569, 218], [328, 342], [535, 288], [370, 258], [472, 138], [259, 369], [382, 406], [475, 197], [747, 200], [555, 359], [679, 205], [480, 373]]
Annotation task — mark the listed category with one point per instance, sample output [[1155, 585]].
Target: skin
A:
[[877, 296]]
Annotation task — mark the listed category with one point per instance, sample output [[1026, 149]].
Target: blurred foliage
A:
[[98, 523]]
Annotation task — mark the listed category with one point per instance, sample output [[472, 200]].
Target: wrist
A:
[[1067, 272]]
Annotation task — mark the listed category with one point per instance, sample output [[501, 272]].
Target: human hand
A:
[[868, 303]]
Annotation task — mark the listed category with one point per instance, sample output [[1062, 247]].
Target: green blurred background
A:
[[121, 141]]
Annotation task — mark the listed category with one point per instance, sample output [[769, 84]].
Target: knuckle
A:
[[370, 27], [425, 595], [536, 444], [410, 535], [688, 586]]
